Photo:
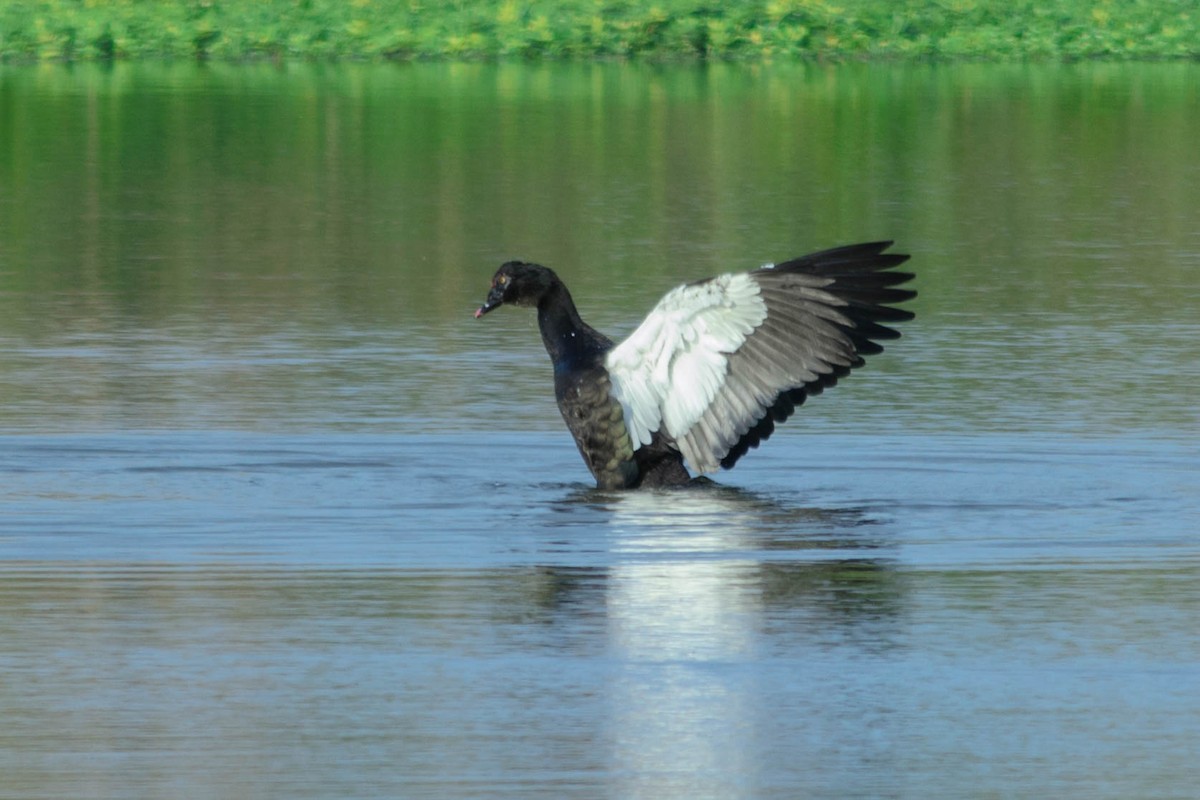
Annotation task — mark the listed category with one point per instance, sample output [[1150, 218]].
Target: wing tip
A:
[[861, 276], [850, 258]]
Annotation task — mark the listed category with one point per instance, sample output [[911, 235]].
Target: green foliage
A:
[[239, 29]]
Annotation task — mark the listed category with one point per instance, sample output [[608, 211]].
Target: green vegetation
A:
[[407, 29]]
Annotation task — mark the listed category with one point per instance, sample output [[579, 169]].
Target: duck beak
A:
[[494, 299]]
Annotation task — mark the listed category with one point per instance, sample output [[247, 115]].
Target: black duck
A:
[[715, 365]]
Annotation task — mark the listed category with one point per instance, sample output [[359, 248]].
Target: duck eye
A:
[[502, 280]]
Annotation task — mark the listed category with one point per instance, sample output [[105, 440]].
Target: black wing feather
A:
[[841, 327]]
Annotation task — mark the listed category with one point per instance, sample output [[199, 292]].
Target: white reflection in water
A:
[[683, 622]]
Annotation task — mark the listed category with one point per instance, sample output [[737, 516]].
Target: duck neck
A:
[[566, 336]]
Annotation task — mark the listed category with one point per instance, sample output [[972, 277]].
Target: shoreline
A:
[[607, 30]]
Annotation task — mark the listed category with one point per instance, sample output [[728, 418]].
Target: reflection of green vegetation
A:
[[55, 29], [257, 217]]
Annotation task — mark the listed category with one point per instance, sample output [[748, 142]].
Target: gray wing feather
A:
[[823, 314]]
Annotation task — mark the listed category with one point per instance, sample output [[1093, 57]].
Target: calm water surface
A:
[[278, 518]]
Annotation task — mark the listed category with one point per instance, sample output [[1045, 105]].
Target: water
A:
[[278, 518]]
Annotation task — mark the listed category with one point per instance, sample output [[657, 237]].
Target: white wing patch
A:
[[669, 370]]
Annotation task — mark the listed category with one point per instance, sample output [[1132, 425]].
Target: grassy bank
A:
[[237, 29]]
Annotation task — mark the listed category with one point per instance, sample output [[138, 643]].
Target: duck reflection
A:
[[705, 583]]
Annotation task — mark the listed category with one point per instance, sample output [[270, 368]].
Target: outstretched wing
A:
[[719, 362]]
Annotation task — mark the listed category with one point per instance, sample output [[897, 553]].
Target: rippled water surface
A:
[[279, 518]]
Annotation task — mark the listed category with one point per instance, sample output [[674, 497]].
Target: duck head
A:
[[517, 283]]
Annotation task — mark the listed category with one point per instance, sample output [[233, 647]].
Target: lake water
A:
[[278, 518]]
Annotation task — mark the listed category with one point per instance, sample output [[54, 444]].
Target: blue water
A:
[[361, 615], [278, 518], [353, 501]]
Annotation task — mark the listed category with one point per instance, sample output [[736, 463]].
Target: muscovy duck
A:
[[715, 365]]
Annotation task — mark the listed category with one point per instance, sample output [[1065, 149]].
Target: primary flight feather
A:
[[715, 365]]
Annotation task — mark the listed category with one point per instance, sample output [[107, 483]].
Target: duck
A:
[[715, 365]]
